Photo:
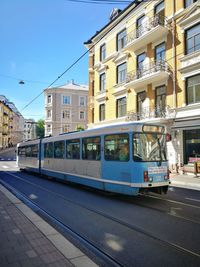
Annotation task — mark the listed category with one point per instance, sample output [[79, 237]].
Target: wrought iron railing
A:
[[148, 113], [147, 69], [147, 26]]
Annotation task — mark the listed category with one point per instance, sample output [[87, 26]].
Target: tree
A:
[[40, 128], [80, 128]]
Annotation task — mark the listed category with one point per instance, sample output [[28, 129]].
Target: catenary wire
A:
[[137, 1], [74, 63]]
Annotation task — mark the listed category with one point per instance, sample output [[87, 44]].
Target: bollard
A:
[[195, 168]]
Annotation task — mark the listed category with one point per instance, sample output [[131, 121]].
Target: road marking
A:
[[173, 201], [193, 199], [5, 167]]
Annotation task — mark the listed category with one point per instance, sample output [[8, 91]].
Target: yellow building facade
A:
[[145, 65], [6, 126]]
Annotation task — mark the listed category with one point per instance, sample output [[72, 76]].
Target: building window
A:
[[192, 145], [188, 3], [140, 26], [92, 88], [160, 101], [121, 107], [193, 39], [66, 100], [102, 82], [141, 65], [82, 115], [66, 128], [81, 100], [160, 9], [160, 53], [48, 115], [193, 89], [121, 40], [48, 128], [66, 114], [102, 112], [121, 73], [102, 52], [49, 99]]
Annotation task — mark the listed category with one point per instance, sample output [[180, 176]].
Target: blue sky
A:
[[39, 40]]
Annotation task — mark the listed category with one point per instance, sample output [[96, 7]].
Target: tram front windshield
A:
[[149, 147]]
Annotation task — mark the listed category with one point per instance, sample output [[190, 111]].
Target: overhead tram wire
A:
[[74, 63], [101, 2]]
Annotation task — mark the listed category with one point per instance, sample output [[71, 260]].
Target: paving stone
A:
[[27, 244]]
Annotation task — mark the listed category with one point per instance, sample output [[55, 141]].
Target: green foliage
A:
[[80, 128], [40, 128]]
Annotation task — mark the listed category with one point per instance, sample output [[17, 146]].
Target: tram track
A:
[[112, 218], [124, 199], [109, 260]]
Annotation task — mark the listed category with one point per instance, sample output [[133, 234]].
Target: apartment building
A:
[[5, 125], [29, 130], [144, 65], [65, 108], [11, 129]]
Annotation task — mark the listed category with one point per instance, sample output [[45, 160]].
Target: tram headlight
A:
[[150, 179]]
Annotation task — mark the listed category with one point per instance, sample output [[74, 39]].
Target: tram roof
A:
[[123, 127]]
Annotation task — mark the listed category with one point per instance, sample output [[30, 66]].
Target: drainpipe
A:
[[173, 55]]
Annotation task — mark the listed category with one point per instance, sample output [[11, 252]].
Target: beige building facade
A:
[[66, 108], [144, 66], [29, 132]]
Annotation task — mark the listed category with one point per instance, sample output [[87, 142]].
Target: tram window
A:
[[28, 151], [73, 149], [149, 147], [59, 149], [34, 151], [21, 151], [116, 147], [48, 150], [92, 148]]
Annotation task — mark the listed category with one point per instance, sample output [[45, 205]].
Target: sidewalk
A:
[[185, 181], [27, 240]]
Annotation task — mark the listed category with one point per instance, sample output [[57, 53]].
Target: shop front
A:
[[191, 145], [187, 131]]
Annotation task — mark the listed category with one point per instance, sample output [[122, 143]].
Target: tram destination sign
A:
[[154, 170]]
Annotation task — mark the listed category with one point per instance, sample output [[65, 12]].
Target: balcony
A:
[[152, 72], [101, 96], [153, 29], [159, 114]]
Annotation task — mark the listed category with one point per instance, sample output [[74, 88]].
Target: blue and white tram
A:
[[127, 158]]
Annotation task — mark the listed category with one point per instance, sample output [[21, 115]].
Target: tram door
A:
[[116, 161]]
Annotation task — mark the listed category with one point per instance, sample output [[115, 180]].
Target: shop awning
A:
[[186, 124]]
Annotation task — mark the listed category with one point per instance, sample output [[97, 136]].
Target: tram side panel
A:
[[87, 172], [28, 157]]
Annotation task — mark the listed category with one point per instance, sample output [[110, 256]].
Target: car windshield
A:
[[149, 147]]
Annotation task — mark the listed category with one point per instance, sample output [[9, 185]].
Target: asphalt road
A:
[[151, 230]]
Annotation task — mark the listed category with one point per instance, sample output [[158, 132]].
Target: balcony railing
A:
[[147, 69], [147, 26], [148, 113]]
